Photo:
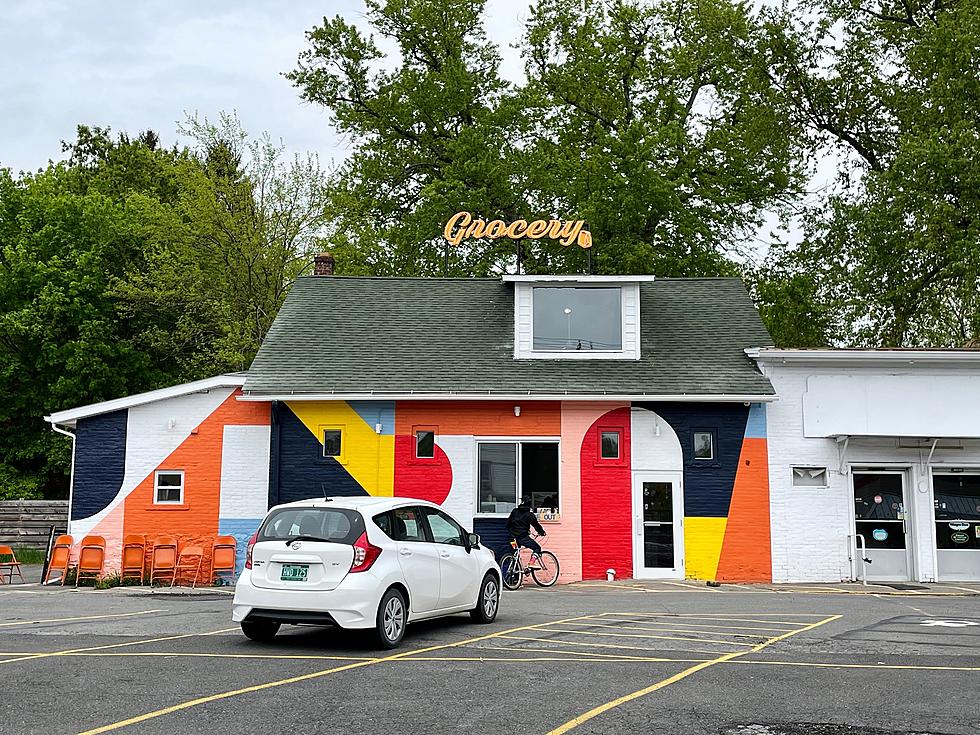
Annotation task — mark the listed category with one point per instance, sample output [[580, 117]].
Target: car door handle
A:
[[445, 554], [405, 552]]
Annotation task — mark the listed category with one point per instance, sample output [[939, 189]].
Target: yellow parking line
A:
[[641, 635], [709, 617], [913, 667], [696, 625], [667, 628], [306, 677], [111, 645], [579, 653], [84, 617], [166, 654], [604, 645], [595, 711]]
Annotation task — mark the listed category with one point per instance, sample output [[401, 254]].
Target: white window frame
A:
[[694, 445], [419, 429], [477, 441], [630, 333], [156, 487]]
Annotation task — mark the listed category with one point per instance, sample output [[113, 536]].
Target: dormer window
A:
[[577, 318], [572, 317]]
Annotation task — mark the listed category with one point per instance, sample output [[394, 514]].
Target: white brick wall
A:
[[810, 526]]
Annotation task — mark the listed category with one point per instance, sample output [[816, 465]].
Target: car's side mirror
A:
[[473, 541]]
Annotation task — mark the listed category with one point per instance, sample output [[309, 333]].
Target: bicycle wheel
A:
[[510, 572], [547, 575]]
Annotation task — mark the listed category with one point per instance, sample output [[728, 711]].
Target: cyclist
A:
[[519, 524]]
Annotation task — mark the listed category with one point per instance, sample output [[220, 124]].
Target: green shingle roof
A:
[[347, 335]]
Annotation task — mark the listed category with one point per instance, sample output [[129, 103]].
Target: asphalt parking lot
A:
[[587, 658]]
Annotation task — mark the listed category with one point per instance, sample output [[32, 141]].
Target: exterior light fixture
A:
[[517, 410]]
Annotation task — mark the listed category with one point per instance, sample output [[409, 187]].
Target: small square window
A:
[[169, 487], [704, 445], [425, 444], [809, 477], [332, 442], [609, 445]]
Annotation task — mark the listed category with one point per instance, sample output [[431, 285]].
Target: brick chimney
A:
[[323, 265]]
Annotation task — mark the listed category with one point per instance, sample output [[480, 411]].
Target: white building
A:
[[877, 449]]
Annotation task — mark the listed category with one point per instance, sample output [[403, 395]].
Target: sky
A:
[[133, 65]]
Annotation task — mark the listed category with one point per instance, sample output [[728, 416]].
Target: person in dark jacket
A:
[[519, 524]]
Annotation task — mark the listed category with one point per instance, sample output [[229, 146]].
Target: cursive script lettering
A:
[[463, 226]]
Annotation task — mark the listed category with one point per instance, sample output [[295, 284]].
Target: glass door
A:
[[881, 518], [658, 526], [956, 502]]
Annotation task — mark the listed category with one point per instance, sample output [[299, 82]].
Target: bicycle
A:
[[514, 568]]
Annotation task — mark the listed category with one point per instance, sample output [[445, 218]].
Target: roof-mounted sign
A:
[[462, 226]]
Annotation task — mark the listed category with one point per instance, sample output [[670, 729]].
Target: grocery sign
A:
[[463, 226]]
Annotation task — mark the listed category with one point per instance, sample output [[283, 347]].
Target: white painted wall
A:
[[244, 472], [810, 526]]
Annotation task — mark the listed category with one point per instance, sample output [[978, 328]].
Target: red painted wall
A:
[[425, 479], [607, 501]]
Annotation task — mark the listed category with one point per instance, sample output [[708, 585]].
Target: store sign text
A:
[[463, 226]]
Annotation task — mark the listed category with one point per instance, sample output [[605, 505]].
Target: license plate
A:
[[294, 572]]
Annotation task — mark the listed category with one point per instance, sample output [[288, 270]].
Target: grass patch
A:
[[30, 556]]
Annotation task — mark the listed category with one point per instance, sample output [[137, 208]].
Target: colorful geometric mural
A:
[[239, 458]]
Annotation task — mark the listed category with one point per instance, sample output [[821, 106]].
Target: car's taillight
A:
[[365, 554], [248, 549]]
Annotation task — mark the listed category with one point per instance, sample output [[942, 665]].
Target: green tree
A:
[[892, 87], [655, 123], [130, 267]]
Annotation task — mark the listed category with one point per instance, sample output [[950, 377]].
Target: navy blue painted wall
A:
[[708, 484], [298, 469], [100, 462], [492, 532]]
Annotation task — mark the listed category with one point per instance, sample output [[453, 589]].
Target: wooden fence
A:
[[26, 524]]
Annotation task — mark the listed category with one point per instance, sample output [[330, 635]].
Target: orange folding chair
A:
[[133, 556], [9, 564], [223, 556], [189, 560], [164, 559], [60, 558], [91, 558]]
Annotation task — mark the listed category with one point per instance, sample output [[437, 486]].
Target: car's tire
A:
[[488, 601], [392, 619], [260, 630]]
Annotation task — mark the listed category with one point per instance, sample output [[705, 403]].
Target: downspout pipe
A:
[[71, 475]]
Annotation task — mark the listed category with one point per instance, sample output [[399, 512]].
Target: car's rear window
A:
[[338, 525]]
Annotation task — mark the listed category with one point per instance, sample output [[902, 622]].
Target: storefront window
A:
[[567, 318], [514, 471], [957, 503]]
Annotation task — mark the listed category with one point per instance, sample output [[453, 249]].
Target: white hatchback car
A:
[[363, 562]]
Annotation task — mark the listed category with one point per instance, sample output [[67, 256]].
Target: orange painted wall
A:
[[195, 521], [480, 418], [746, 554]]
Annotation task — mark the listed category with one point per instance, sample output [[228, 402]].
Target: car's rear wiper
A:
[[307, 538]]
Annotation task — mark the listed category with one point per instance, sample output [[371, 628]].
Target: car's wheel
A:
[[392, 619], [260, 630], [488, 601]]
